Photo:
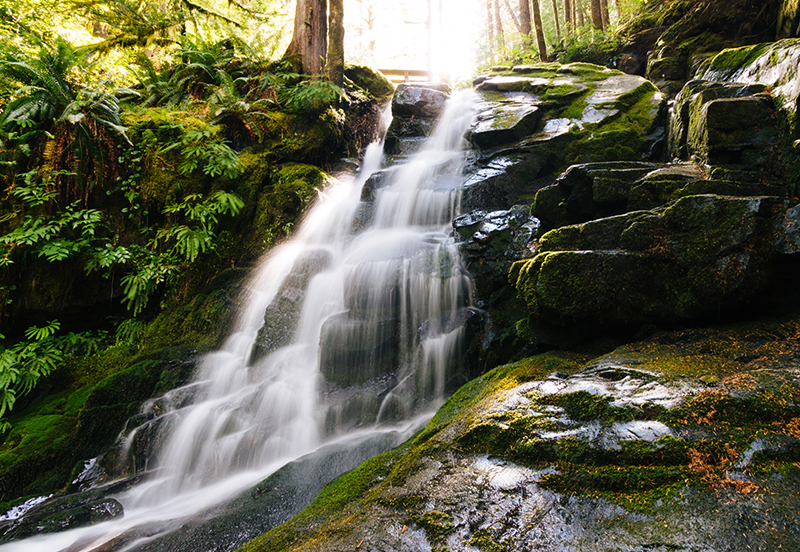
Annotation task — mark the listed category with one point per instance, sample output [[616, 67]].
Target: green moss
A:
[[370, 80], [483, 540], [338, 499], [582, 405], [437, 525], [736, 58]]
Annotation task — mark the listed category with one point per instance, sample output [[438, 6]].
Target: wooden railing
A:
[[406, 75]]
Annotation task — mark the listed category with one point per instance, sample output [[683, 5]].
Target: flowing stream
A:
[[348, 330]]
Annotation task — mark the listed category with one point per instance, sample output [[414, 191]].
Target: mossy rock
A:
[[370, 80], [689, 261]]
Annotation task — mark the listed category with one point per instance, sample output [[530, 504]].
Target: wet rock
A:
[[740, 131], [689, 109], [283, 314], [228, 526], [775, 65], [504, 124], [354, 350], [552, 454], [419, 100], [589, 191], [513, 84], [491, 242], [61, 514], [506, 178]]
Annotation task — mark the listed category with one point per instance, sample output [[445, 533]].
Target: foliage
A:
[[63, 235], [22, 365], [76, 123]]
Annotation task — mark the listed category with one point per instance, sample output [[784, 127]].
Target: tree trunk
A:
[[604, 13], [513, 16], [555, 18], [579, 13], [567, 17], [491, 28], [597, 15], [335, 61], [310, 38], [537, 22], [525, 21], [501, 37]]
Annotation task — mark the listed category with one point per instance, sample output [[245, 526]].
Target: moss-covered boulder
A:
[[370, 80], [534, 121], [771, 64], [672, 443], [699, 256]]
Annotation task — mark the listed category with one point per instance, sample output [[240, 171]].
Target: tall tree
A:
[[597, 15], [604, 13], [498, 22], [555, 18], [310, 38], [537, 22], [513, 16], [335, 60], [568, 17], [525, 21], [490, 23], [580, 14]]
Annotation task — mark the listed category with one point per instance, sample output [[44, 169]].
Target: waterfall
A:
[[352, 325]]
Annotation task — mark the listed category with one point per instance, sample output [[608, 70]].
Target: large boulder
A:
[[534, 121], [414, 110], [698, 257], [776, 65], [727, 124]]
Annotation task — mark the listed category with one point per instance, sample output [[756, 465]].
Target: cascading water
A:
[[364, 318]]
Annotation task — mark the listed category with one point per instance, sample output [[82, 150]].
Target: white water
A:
[[387, 303]]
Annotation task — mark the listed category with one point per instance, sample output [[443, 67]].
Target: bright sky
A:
[[399, 38]]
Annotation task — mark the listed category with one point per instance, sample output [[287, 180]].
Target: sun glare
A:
[[435, 35]]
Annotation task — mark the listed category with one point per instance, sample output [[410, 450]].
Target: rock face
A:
[[283, 314], [414, 110], [541, 119], [775, 65], [61, 514], [675, 443], [697, 257]]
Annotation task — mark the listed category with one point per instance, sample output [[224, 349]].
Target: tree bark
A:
[[555, 18], [537, 22], [310, 37], [491, 28], [597, 15], [335, 58], [501, 37], [604, 13], [567, 17], [525, 21], [513, 16], [579, 13]]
